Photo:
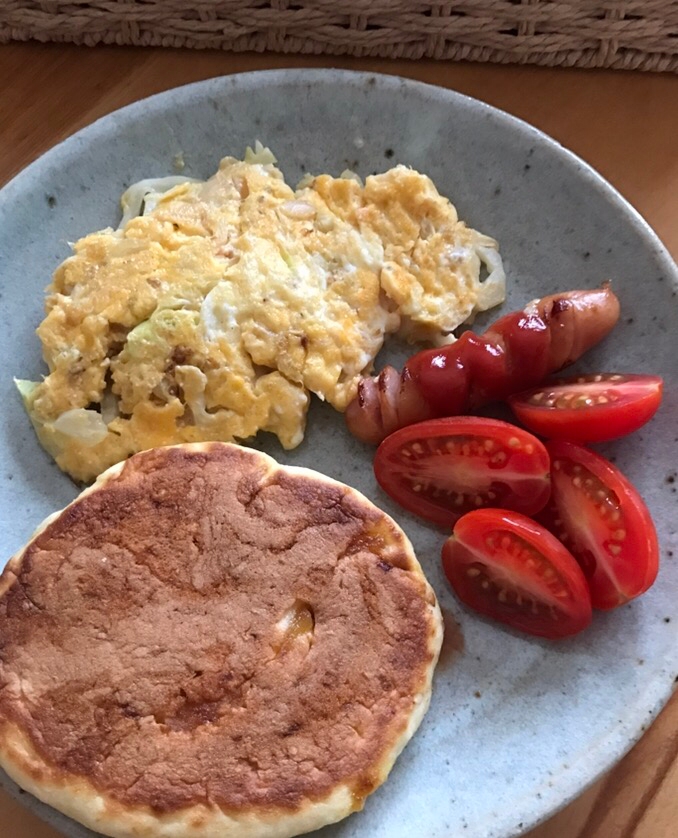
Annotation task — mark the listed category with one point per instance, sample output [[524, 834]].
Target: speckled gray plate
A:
[[517, 727]]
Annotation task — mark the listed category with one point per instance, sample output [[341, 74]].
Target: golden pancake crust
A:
[[206, 643]]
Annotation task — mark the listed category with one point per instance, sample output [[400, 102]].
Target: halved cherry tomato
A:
[[510, 568], [442, 468], [589, 408], [600, 517]]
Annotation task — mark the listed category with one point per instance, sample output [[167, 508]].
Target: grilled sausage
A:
[[517, 352]]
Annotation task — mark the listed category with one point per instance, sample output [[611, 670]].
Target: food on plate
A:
[[443, 468], [207, 643], [216, 311], [515, 353], [602, 519], [589, 408], [506, 566]]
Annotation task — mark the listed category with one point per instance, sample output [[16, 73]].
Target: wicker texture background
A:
[[638, 34]]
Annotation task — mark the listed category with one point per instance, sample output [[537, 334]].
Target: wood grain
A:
[[625, 124]]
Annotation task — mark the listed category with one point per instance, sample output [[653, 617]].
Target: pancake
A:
[[206, 643]]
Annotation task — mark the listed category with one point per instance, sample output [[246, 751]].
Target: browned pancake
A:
[[207, 643]]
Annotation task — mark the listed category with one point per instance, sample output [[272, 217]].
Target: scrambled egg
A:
[[215, 313]]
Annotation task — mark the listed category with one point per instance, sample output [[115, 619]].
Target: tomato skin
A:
[[507, 567], [590, 408], [602, 519], [441, 468]]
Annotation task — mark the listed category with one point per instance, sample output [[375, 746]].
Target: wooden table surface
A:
[[625, 124]]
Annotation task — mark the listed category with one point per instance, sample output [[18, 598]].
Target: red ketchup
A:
[[478, 369]]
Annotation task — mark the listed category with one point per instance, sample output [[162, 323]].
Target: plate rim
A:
[[155, 101]]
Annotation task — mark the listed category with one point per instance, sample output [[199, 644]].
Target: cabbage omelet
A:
[[216, 311]]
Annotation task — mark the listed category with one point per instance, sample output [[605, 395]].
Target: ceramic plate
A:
[[517, 726]]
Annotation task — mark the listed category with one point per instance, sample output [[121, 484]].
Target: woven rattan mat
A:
[[639, 34]]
